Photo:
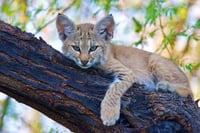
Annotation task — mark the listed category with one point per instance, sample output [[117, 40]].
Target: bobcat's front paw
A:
[[110, 113], [164, 86]]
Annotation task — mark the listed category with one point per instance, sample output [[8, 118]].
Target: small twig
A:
[[187, 44], [143, 33], [52, 20], [141, 38], [162, 29]]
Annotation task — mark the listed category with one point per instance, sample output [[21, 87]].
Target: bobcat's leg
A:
[[170, 77], [110, 106]]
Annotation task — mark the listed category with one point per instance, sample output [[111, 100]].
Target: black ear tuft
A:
[[64, 26], [105, 27], [59, 14]]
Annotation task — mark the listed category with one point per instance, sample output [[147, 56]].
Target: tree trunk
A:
[[35, 74]]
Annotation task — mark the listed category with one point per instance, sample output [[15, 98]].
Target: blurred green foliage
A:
[[4, 111]]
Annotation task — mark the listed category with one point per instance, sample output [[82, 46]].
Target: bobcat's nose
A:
[[84, 62]]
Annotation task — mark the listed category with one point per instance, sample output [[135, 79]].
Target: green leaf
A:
[[161, 1], [152, 34], [169, 39], [189, 67], [182, 34], [195, 38], [78, 3], [51, 130], [171, 12], [39, 9], [107, 4], [197, 25], [8, 9], [138, 42], [15, 116], [5, 8], [152, 12], [4, 112], [138, 25]]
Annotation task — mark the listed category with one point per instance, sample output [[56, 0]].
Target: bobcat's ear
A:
[[105, 27], [64, 26]]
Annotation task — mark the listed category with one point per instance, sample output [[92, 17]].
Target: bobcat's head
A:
[[85, 44]]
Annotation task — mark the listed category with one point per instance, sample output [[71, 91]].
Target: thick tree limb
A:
[[37, 75]]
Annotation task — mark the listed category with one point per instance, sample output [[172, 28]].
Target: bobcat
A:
[[90, 45]]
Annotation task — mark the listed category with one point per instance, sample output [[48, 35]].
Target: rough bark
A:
[[37, 75]]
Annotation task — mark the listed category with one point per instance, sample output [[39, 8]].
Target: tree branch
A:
[[37, 75]]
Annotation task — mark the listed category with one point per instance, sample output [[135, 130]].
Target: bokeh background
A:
[[170, 28]]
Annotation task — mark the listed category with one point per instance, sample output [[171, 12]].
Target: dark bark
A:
[[37, 75]]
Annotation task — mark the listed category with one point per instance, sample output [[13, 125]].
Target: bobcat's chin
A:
[[88, 65], [84, 67]]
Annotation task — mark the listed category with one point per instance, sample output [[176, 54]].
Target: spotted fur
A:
[[89, 45]]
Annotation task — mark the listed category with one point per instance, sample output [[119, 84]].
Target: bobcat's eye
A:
[[93, 48], [76, 48]]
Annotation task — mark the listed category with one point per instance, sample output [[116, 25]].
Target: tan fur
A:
[[128, 64]]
